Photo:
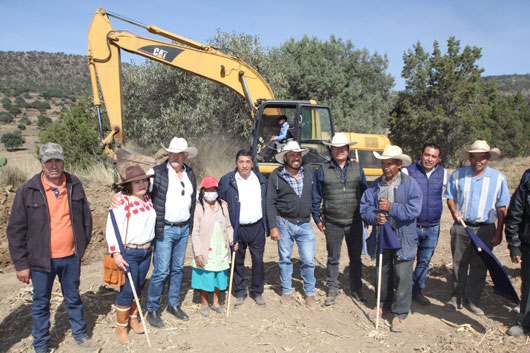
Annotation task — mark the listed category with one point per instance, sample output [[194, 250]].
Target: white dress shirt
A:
[[250, 198], [178, 206]]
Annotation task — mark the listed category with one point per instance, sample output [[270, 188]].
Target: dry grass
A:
[[98, 173], [512, 168]]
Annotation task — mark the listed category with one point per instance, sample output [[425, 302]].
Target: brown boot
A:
[[134, 324], [122, 323]]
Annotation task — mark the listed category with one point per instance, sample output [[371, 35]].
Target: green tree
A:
[[77, 133], [351, 81], [12, 140], [443, 101], [21, 127], [43, 121], [5, 118]]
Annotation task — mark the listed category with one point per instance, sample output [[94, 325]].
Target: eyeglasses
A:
[[183, 188]]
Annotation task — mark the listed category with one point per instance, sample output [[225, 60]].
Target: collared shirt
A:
[[283, 132], [428, 174], [297, 185], [61, 231], [477, 198], [343, 171], [178, 203], [386, 190], [249, 191]]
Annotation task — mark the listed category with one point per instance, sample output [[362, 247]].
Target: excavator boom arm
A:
[[105, 43]]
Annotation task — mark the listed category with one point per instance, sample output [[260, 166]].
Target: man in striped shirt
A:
[[478, 195]]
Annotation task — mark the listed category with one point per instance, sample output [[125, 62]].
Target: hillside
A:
[[510, 84]]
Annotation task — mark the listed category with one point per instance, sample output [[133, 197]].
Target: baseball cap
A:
[[51, 151]]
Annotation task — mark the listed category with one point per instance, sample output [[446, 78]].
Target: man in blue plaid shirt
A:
[[289, 217]]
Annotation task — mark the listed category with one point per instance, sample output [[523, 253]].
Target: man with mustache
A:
[[289, 216], [173, 192], [478, 195], [245, 191], [432, 178], [49, 229], [394, 197]]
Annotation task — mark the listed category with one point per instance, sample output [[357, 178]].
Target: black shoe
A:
[[153, 318], [87, 343], [420, 298], [178, 313], [258, 298], [359, 296], [331, 298], [473, 308]]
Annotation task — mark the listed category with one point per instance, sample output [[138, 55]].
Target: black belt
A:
[[425, 227], [476, 225], [176, 224]]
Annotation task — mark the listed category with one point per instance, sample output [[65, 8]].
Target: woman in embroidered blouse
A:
[[135, 219], [211, 239]]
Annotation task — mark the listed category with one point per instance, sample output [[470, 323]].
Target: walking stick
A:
[[379, 272], [128, 271], [230, 283]]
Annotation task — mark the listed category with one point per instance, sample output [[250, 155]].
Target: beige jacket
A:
[[203, 222]]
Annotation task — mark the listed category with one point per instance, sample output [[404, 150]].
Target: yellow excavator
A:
[[309, 122]]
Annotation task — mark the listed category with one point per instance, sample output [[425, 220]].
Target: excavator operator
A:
[[276, 140]]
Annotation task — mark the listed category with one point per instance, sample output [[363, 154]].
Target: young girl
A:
[[211, 239]]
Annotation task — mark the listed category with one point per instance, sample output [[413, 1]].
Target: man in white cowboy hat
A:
[[478, 195], [432, 178], [337, 187], [289, 216], [394, 197], [173, 193]]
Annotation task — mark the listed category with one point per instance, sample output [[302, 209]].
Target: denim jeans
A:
[[427, 241], [396, 276], [354, 242], [68, 270], [139, 261], [304, 237], [168, 259]]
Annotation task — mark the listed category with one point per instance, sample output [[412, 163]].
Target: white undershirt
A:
[[250, 198], [177, 205]]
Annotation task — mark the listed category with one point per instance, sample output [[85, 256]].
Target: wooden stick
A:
[[139, 307], [379, 272], [230, 283]]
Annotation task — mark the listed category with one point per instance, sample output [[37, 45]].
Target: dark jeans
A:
[[68, 270], [253, 237], [469, 272], [427, 241], [396, 276], [354, 242], [523, 319], [139, 261]]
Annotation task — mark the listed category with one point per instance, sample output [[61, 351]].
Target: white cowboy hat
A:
[[394, 152], [481, 146], [339, 140], [290, 146], [179, 144]]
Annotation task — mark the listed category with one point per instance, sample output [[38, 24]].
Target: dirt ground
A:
[[340, 328]]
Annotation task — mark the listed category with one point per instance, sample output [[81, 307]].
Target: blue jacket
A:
[[404, 210], [432, 190], [228, 191]]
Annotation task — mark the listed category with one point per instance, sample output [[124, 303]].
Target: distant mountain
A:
[[48, 74], [510, 84]]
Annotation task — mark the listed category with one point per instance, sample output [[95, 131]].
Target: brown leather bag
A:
[[112, 275]]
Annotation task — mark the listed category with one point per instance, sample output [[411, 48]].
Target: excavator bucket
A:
[[127, 158]]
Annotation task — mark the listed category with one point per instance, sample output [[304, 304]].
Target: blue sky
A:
[[501, 29]]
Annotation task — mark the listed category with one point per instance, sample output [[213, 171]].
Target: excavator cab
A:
[[309, 124]]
